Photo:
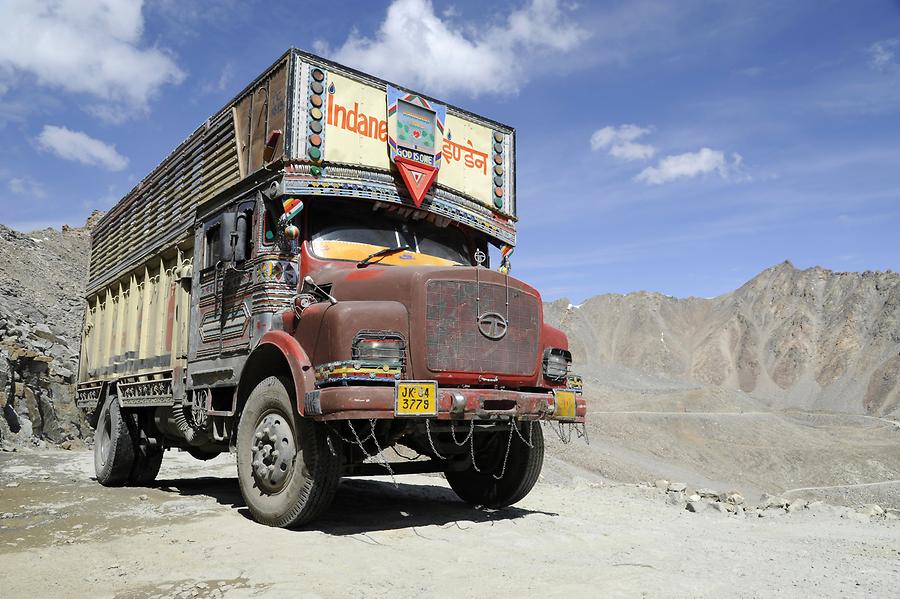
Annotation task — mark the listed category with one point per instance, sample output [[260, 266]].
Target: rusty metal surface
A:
[[378, 402], [453, 339]]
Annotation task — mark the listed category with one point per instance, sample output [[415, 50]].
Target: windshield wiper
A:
[[385, 252]]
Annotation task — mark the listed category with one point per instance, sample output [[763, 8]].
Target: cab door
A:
[[221, 303]]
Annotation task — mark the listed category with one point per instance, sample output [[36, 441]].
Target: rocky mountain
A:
[[810, 339], [42, 277]]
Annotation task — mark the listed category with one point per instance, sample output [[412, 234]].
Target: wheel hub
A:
[[273, 452]]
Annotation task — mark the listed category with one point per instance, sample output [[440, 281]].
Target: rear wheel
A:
[[113, 445], [288, 467], [523, 466], [146, 467]]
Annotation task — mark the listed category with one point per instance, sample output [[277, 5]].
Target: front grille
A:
[[454, 342]]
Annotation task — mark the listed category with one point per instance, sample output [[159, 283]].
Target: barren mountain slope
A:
[[42, 276], [811, 339]]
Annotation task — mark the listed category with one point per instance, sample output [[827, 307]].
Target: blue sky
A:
[[679, 147]]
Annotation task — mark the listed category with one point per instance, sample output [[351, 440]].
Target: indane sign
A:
[[358, 133]]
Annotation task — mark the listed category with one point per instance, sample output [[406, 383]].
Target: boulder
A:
[[768, 501], [677, 487], [674, 498], [734, 498], [696, 506]]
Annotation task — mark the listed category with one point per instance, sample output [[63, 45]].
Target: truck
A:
[[317, 280]]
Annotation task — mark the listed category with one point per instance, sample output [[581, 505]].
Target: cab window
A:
[[353, 230]]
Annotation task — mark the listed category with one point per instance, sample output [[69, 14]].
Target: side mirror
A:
[[234, 230]]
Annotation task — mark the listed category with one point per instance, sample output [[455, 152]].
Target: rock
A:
[[7, 515], [734, 498], [707, 493], [43, 331], [768, 501], [61, 372], [12, 485], [696, 506], [796, 505], [72, 444], [694, 497], [661, 484], [674, 498], [143, 497], [855, 516], [873, 510], [677, 487]]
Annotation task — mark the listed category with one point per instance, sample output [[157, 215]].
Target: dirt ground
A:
[[63, 535]]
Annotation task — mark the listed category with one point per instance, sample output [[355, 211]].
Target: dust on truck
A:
[[306, 281]]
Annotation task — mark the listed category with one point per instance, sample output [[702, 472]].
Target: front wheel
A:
[[288, 466], [493, 487]]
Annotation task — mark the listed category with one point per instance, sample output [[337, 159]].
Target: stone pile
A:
[[42, 277], [37, 377], [769, 506]]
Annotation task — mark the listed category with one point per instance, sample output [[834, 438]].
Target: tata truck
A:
[[317, 280]]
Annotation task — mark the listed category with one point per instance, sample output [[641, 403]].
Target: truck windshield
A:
[[352, 231]]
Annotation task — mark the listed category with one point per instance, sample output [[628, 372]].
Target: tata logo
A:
[[492, 325]]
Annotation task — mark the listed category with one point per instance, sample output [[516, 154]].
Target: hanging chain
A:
[[379, 456], [558, 429], [407, 458], [530, 433], [512, 425], [431, 441], [469, 436], [582, 433]]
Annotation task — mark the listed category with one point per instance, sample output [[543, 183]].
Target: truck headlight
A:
[[556, 363], [381, 347]]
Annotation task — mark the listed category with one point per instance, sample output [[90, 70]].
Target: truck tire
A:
[[113, 445], [523, 466], [146, 467], [288, 466]]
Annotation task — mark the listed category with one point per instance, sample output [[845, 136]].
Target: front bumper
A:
[[362, 402]]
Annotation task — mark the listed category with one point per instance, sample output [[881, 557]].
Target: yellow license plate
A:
[[416, 398], [565, 404]]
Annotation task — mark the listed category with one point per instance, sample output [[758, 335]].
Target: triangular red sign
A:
[[417, 176]]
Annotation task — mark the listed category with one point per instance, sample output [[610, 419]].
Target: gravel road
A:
[[62, 534]]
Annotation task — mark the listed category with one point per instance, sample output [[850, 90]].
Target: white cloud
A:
[[90, 47], [80, 147], [690, 165], [415, 46], [620, 142], [220, 85], [882, 53], [26, 186]]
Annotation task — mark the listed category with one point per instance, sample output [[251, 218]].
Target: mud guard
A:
[[294, 356]]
